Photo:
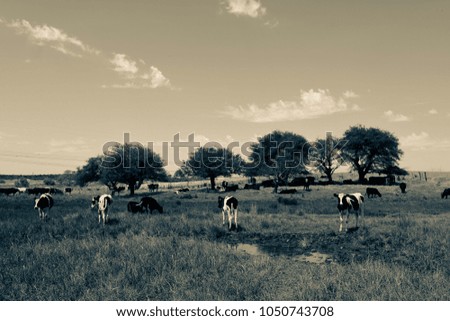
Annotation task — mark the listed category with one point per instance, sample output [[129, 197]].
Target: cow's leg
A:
[[346, 220], [99, 216], [230, 219], [341, 220], [235, 218], [223, 217]]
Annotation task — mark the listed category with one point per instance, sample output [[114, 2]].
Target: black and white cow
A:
[[348, 203], [153, 187], [43, 204], [68, 190], [135, 207], [104, 203], [445, 193], [229, 206], [149, 203], [372, 192]]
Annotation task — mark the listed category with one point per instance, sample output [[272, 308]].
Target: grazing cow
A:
[[349, 203], [43, 204], [103, 202], [229, 206], [68, 190], [9, 191], [403, 187], [153, 187], [372, 192], [182, 190], [445, 193], [288, 191], [22, 190], [231, 188], [149, 203], [135, 207]]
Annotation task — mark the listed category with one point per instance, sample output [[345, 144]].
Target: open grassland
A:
[[401, 253]]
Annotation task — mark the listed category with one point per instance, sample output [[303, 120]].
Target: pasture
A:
[[287, 247]]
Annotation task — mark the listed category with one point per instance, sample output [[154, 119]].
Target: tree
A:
[[370, 150], [130, 164], [212, 161], [325, 156], [22, 182], [279, 155]]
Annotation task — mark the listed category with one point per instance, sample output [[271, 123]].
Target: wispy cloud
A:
[[393, 117], [137, 75], [433, 111], [44, 35], [250, 8], [423, 141], [311, 104]]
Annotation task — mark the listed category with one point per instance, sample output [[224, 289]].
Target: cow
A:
[[103, 202], [372, 192], [38, 190], [252, 186], [231, 188], [182, 190], [118, 190], [9, 191], [43, 204], [445, 193], [229, 205], [350, 203], [403, 187], [288, 191], [135, 207], [22, 190], [68, 190], [153, 187], [149, 203]]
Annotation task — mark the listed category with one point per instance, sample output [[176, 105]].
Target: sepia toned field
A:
[[285, 248]]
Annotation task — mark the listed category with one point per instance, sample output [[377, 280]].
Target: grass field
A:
[[401, 253]]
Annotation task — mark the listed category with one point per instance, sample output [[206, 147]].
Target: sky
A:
[[75, 75]]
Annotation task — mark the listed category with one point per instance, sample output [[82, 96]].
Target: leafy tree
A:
[[279, 155], [130, 164], [22, 182], [325, 156], [370, 150], [212, 161]]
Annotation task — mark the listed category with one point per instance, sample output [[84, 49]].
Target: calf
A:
[[182, 190], [349, 203], [68, 190], [135, 207], [445, 193], [372, 192], [229, 206], [403, 187], [149, 203], [43, 204], [103, 202]]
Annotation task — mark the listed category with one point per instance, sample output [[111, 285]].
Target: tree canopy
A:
[[129, 164], [212, 161], [279, 155], [325, 156], [370, 150]]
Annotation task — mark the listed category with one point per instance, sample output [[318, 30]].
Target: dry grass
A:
[[186, 254]]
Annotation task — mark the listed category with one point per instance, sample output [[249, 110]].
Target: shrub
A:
[[22, 182]]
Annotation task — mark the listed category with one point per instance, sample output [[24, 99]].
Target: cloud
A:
[[392, 117], [250, 8], [423, 141], [312, 104], [130, 71], [433, 111], [44, 35], [124, 65]]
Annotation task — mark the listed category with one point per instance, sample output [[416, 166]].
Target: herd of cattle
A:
[[347, 203]]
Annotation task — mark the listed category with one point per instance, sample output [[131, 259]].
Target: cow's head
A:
[[341, 201], [221, 201], [36, 200], [94, 201]]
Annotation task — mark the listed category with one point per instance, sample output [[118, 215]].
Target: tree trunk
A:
[[212, 179], [361, 176], [131, 187]]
